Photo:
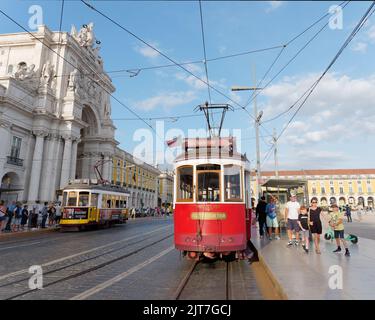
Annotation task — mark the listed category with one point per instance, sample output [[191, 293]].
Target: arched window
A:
[[10, 69]]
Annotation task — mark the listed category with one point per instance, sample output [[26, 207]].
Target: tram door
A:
[[248, 209]]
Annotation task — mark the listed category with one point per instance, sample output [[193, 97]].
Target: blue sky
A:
[[333, 130]]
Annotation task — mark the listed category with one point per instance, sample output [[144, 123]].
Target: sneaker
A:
[[270, 238], [303, 246], [347, 253], [290, 243], [306, 250], [338, 250], [277, 238], [296, 243]]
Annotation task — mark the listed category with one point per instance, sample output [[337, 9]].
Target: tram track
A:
[[90, 269], [222, 290]]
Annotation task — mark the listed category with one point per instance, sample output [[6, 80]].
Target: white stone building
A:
[[54, 112]]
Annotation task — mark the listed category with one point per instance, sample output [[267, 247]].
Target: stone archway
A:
[[342, 201], [351, 201], [361, 202], [370, 202], [332, 201], [85, 157], [10, 187], [323, 202]]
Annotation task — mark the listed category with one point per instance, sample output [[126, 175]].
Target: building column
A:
[[67, 155], [36, 167], [46, 174], [73, 165]]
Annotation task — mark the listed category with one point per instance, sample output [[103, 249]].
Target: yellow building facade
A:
[[355, 187], [141, 179]]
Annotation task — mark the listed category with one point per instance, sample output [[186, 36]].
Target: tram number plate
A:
[[208, 215]]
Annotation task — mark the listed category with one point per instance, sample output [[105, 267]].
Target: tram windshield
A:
[[208, 178], [232, 183]]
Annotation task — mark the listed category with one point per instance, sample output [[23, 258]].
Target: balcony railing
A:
[[15, 161]]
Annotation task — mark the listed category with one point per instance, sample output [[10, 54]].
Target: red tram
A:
[[212, 203]]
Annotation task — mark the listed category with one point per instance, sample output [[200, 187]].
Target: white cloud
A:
[[360, 47], [166, 100], [148, 52], [273, 5], [371, 33], [340, 110]]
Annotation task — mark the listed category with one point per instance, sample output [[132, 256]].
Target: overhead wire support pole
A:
[[257, 118]]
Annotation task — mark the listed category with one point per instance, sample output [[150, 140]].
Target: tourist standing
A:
[[291, 216], [261, 215], [303, 222], [3, 215], [58, 212], [271, 219], [17, 216], [348, 213], [25, 216], [315, 224], [10, 211], [337, 224], [44, 213]]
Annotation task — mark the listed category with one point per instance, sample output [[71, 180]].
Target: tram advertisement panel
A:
[[75, 213]]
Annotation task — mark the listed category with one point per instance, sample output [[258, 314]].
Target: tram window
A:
[[94, 199], [84, 199], [72, 198], [185, 184], [118, 204], [109, 203], [209, 186], [65, 198], [232, 183]]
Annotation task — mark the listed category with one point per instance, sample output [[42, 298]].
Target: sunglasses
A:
[[314, 202]]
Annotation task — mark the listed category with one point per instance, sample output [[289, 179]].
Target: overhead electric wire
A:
[[255, 94], [162, 54], [357, 28]]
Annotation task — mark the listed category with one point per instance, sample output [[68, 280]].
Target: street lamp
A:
[[257, 118]]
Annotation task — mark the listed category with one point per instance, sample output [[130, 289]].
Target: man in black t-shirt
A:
[[261, 215]]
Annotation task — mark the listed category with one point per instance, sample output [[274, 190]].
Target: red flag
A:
[[173, 142]]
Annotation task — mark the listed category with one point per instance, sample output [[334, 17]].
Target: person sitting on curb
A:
[[337, 224]]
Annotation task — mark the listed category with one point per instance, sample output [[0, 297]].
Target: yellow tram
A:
[[87, 203]]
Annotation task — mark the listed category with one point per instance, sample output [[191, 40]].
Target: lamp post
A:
[[257, 118]]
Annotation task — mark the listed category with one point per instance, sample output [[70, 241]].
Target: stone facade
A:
[[55, 112]]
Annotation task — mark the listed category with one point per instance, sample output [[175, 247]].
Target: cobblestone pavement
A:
[[132, 261], [364, 227]]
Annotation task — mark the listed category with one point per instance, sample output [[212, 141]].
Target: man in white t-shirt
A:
[[291, 216]]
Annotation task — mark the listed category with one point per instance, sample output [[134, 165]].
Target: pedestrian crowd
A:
[[16, 216], [303, 223]]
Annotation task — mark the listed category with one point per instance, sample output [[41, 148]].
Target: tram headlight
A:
[[187, 239]]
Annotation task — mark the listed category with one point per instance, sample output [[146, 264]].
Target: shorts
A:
[[3, 218], [293, 225], [272, 223], [339, 234], [305, 234], [16, 221]]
